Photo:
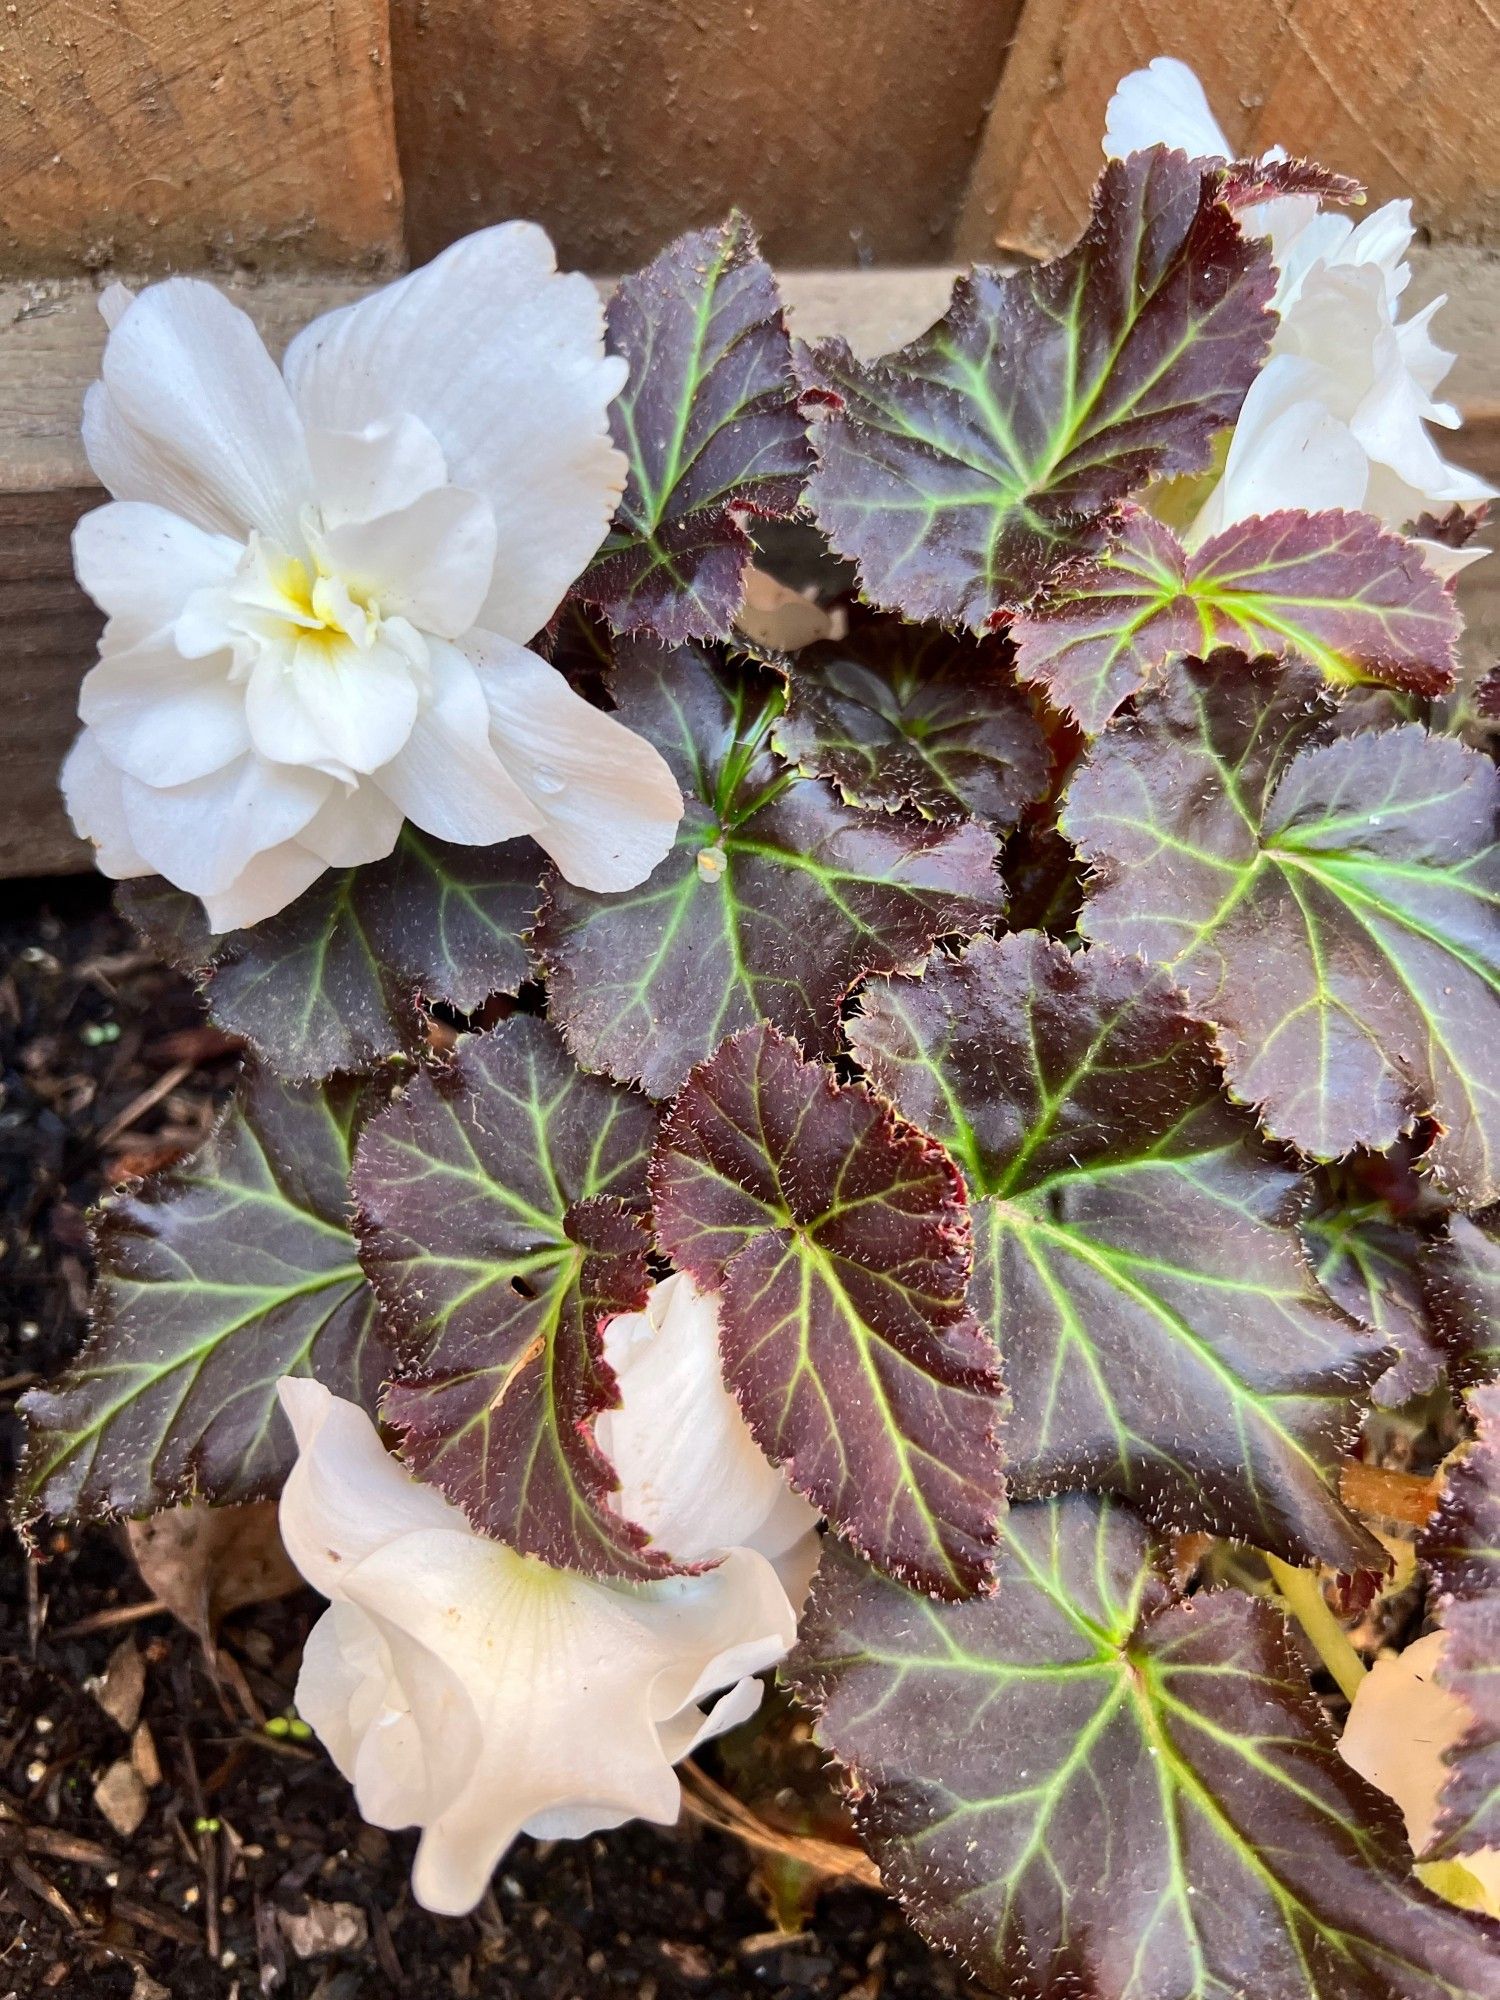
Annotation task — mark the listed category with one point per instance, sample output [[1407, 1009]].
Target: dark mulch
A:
[[108, 1070]]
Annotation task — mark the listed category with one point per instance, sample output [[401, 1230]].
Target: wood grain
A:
[[844, 128], [51, 338], [156, 132], [1403, 95]]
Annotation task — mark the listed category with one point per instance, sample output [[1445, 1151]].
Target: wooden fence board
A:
[[844, 128], [51, 337], [1403, 95], [154, 132]]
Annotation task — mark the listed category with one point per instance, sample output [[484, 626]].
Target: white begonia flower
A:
[[1401, 1722], [478, 1693], [319, 583], [1338, 416]]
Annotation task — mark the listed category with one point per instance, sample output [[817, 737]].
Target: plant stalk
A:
[[1303, 1595]]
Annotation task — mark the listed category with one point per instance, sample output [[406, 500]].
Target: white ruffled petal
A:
[[429, 562], [162, 718], [91, 789], [690, 1472], [386, 465], [1428, 363], [1389, 425], [202, 836], [502, 358], [1444, 561], [340, 1686], [1288, 450], [140, 564], [267, 883], [1163, 105], [193, 415], [447, 779], [607, 803], [332, 707], [353, 827]]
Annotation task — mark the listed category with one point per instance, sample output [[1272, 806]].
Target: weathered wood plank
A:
[[51, 338], [846, 131], [156, 132], [1402, 95]]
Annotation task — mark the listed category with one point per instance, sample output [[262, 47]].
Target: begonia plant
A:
[[997, 1105]]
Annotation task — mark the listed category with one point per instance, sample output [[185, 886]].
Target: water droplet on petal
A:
[[546, 779]]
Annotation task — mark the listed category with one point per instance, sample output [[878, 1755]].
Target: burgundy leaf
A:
[[335, 980], [1331, 909], [1135, 1250], [502, 1221], [977, 464], [1460, 1548], [1462, 1278], [709, 426], [776, 899], [1372, 1255], [899, 714], [1336, 589], [838, 1238], [1089, 1788], [1248, 183], [215, 1278]]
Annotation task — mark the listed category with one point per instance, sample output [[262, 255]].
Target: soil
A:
[[250, 1853]]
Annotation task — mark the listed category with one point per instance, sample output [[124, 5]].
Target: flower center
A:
[[310, 602]]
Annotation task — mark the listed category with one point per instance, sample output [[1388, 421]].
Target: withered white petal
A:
[[1401, 1723], [690, 1472], [474, 1691], [477, 1693]]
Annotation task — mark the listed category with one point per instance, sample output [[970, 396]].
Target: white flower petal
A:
[[690, 1472], [502, 358], [1288, 450], [430, 562], [1163, 105], [447, 779], [569, 1679], [194, 415], [267, 883], [359, 474], [353, 827], [1383, 237], [1389, 424], [140, 564], [114, 302], [1428, 363], [1444, 561], [606, 800], [331, 705], [473, 1690], [203, 835], [345, 1671], [91, 789], [346, 1496], [162, 718], [693, 1726]]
